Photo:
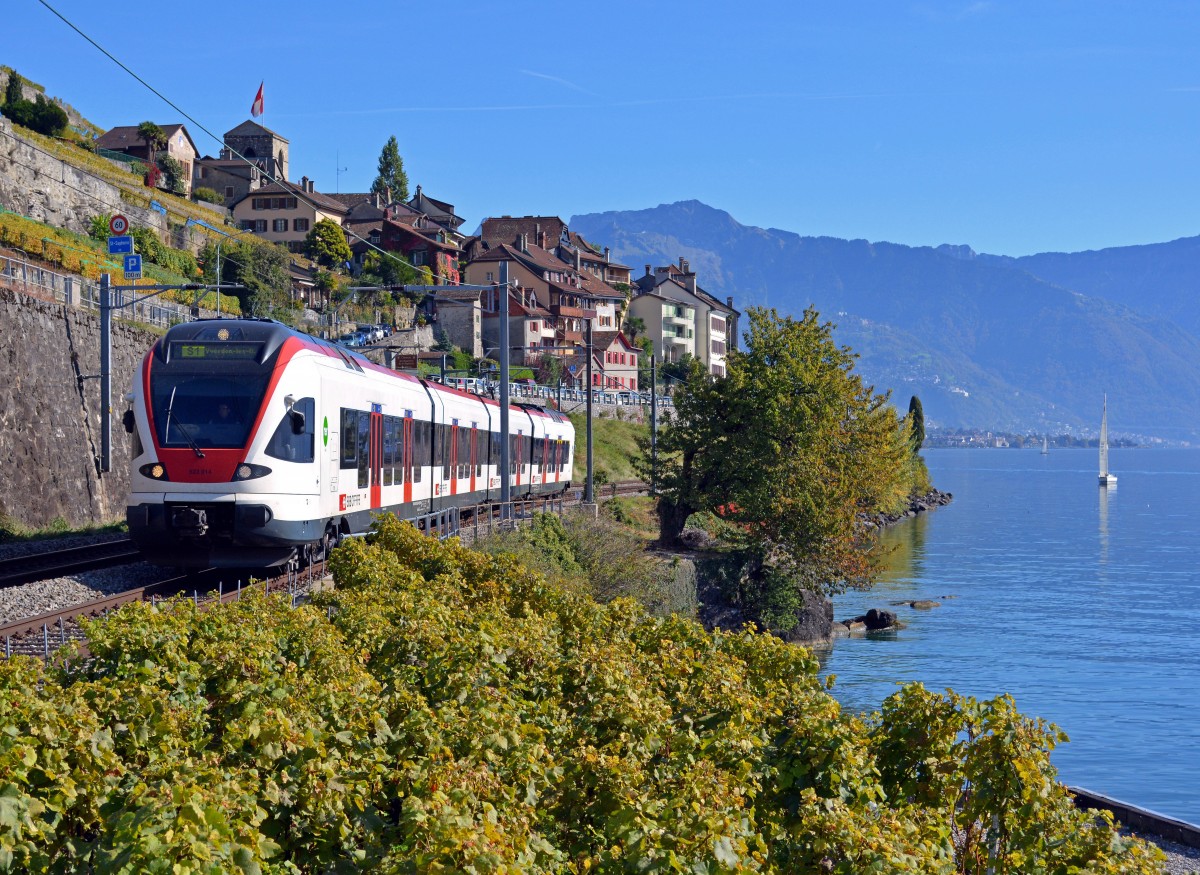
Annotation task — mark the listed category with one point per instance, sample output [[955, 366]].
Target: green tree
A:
[[14, 92], [389, 269], [39, 115], [550, 370], [174, 173], [391, 172], [646, 345], [154, 136], [790, 447], [262, 269], [326, 244], [916, 415]]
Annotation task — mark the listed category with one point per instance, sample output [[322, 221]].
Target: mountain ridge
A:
[[984, 340]]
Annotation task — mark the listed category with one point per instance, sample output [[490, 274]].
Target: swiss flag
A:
[[256, 108]]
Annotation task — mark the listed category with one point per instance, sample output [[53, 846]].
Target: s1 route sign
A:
[[118, 224]]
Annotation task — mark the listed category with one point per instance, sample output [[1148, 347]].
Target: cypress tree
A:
[[13, 93], [917, 412]]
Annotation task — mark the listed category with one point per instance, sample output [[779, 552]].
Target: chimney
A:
[[729, 301], [578, 260], [304, 183], [417, 196], [682, 264], [647, 270], [606, 250]]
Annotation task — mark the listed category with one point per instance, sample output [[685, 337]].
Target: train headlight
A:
[[155, 471], [246, 471]]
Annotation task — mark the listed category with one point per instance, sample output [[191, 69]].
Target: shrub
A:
[[209, 195], [445, 710]]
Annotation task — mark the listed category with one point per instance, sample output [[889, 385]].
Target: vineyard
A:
[[446, 710]]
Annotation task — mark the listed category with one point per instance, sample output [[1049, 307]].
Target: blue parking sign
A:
[[133, 267]]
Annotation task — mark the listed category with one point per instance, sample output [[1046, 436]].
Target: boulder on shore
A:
[[873, 620]]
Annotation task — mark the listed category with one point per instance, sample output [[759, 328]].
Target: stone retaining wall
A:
[[50, 418]]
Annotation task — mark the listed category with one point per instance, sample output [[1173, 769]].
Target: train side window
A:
[[494, 449], [364, 455], [291, 447], [476, 443], [349, 438]]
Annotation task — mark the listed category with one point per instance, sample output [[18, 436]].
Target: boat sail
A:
[[1106, 479], [1045, 444]]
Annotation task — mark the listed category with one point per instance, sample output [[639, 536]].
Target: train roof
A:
[[273, 335]]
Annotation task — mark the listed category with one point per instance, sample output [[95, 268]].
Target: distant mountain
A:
[[983, 340], [1159, 279]]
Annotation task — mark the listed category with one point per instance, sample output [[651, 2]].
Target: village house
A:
[[421, 241], [681, 317], [128, 141], [286, 213]]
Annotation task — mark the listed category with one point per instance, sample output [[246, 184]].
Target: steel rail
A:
[[59, 563]]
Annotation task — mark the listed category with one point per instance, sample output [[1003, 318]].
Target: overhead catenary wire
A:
[[283, 183], [104, 202]]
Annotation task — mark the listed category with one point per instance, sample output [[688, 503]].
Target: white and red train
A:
[[254, 444]]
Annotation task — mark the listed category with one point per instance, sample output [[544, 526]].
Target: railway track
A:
[[44, 634], [60, 563]]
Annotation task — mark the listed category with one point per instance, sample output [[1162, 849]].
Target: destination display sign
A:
[[230, 351]]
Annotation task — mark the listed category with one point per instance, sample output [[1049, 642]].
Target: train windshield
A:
[[195, 407]]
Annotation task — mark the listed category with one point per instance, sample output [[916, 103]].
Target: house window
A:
[[489, 277], [259, 226], [299, 224], [417, 258], [279, 225], [229, 191], [533, 327]]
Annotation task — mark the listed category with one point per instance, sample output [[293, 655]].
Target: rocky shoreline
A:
[[918, 504]]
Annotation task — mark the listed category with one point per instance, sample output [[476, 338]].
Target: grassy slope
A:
[[614, 444]]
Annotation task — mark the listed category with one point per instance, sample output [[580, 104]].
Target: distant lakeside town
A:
[[965, 438]]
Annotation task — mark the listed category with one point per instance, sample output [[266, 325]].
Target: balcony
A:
[[678, 315], [567, 311]]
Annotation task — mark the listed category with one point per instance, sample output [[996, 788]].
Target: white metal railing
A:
[[74, 291]]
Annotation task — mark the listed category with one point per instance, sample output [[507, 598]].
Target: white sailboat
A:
[[1045, 444], [1106, 479]]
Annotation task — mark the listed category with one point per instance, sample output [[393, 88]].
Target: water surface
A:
[[1084, 603]]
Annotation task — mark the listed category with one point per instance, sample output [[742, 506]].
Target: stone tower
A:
[[262, 146]]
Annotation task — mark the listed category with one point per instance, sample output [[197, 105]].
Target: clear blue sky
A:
[[1014, 127]]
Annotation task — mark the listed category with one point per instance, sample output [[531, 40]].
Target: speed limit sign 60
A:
[[118, 224]]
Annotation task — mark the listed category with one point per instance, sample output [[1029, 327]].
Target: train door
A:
[[474, 455], [375, 456], [406, 457], [454, 472], [518, 444]]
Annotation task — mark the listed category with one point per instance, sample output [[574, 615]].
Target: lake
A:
[[1081, 602]]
